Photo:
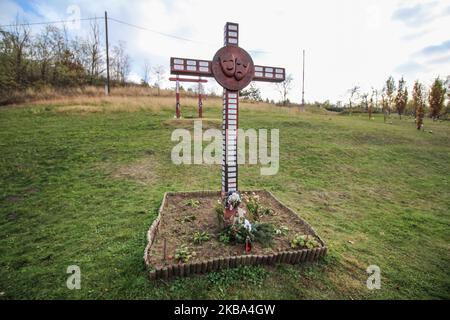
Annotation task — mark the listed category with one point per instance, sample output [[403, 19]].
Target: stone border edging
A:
[[215, 264]]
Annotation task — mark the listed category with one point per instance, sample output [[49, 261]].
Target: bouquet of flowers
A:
[[233, 200]]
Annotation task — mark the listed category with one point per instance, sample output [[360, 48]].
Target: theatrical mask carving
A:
[[233, 66], [241, 68], [228, 64]]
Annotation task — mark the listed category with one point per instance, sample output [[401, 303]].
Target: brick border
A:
[[215, 264]]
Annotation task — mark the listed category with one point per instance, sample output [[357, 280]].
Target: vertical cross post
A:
[[177, 93], [229, 138], [200, 103], [230, 122]]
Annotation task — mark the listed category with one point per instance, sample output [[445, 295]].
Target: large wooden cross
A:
[[233, 69]]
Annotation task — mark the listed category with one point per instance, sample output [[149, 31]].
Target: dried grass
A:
[[142, 171], [92, 99]]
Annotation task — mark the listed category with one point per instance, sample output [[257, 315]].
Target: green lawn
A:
[[83, 188]]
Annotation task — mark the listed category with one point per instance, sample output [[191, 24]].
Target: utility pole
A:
[[303, 82], [107, 55]]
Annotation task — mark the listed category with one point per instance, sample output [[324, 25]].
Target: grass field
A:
[[81, 182]]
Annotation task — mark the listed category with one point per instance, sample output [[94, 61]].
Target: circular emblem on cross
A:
[[233, 68]]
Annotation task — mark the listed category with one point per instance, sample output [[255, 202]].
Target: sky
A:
[[347, 42]]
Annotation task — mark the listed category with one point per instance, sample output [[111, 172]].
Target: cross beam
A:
[[233, 68], [192, 67]]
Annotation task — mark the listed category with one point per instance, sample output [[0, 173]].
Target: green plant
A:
[[183, 254], [304, 241], [254, 275], [192, 203], [252, 205], [282, 231], [200, 237], [218, 208], [188, 218], [255, 208], [224, 238], [237, 233], [266, 211], [263, 233]]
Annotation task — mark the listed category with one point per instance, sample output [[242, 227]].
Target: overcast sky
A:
[[347, 43]]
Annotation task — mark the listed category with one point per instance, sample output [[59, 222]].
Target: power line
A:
[[49, 22], [175, 36], [127, 24], [158, 32]]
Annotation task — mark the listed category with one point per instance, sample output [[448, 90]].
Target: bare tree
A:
[[120, 62], [365, 101], [373, 103], [18, 43], [375, 94], [390, 88], [43, 53], [60, 53], [146, 73], [354, 94], [159, 72], [284, 88], [94, 52], [384, 103]]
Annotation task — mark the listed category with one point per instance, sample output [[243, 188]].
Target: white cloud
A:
[[347, 42]]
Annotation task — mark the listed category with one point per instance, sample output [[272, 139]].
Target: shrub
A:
[[263, 233], [183, 254], [224, 238], [237, 233], [304, 241], [255, 208], [219, 213], [200, 237], [188, 218], [192, 203], [282, 231]]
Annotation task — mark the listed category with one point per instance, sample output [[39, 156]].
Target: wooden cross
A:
[[233, 69]]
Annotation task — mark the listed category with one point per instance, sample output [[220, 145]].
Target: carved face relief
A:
[[241, 68], [232, 68], [227, 62]]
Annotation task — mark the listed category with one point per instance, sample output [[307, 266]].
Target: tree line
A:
[[50, 57], [395, 98]]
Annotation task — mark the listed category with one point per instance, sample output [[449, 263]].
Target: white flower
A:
[[247, 225], [234, 197]]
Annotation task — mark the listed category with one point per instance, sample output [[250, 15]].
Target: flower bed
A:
[[188, 238]]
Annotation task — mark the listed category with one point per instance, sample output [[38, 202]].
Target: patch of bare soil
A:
[[143, 171], [176, 231]]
